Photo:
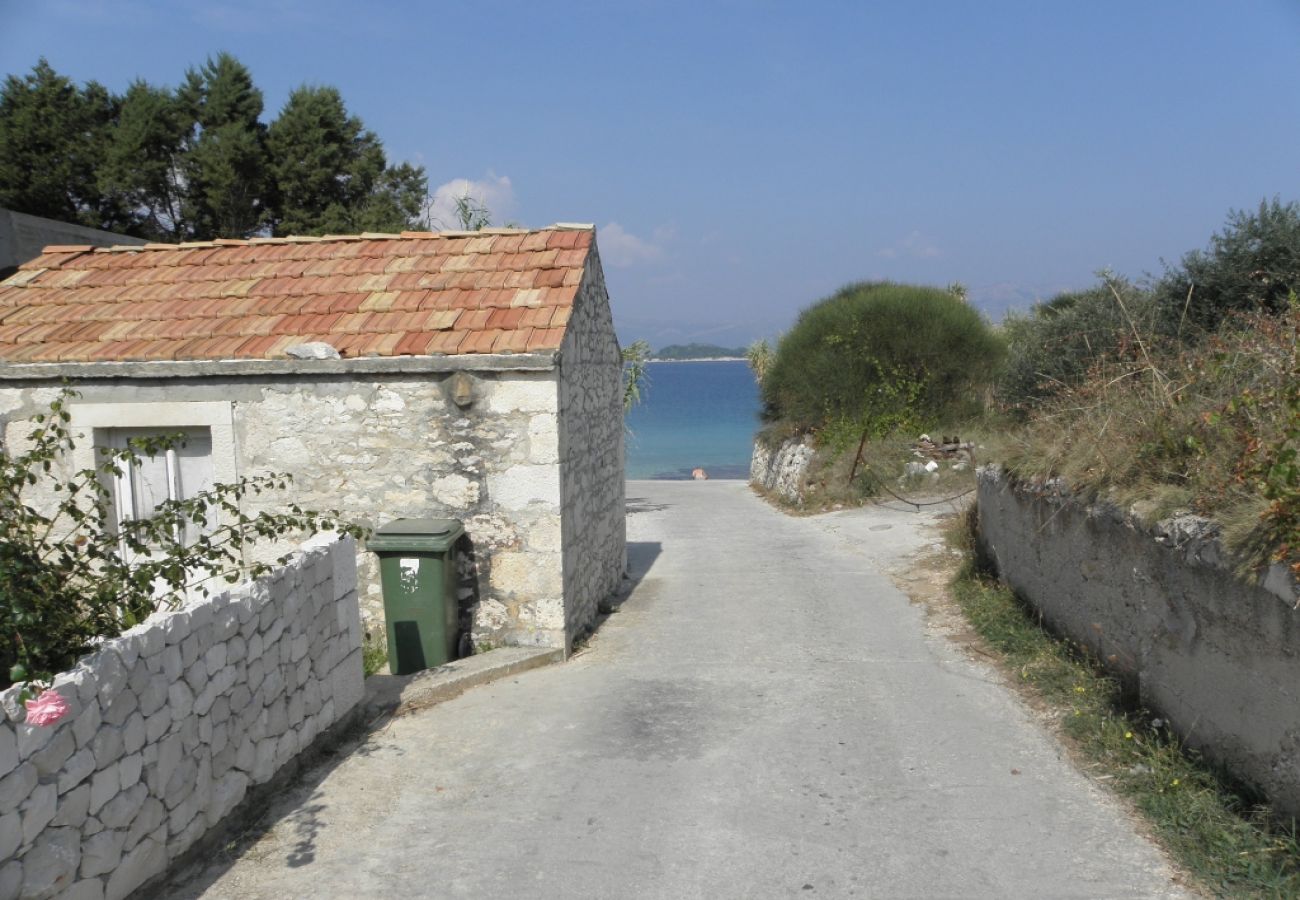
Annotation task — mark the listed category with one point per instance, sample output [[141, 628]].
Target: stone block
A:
[[180, 700], [296, 712], [38, 811], [173, 663], [156, 725], [111, 675], [181, 839], [51, 864], [170, 751], [140, 678], [176, 626], [246, 755], [220, 710], [12, 705], [220, 682], [77, 769], [285, 749], [8, 749], [521, 487], [152, 814], [215, 658], [225, 622], [302, 674], [84, 681], [298, 649], [527, 575], [32, 738], [87, 723], [264, 766], [120, 708], [181, 785], [307, 732], [236, 649], [201, 611], [11, 833], [227, 793], [73, 807], [11, 878], [254, 675], [272, 632], [101, 853], [191, 648], [129, 770], [253, 648], [277, 717], [51, 758], [240, 697], [133, 733], [153, 694], [196, 675], [107, 746], [17, 786], [150, 638], [127, 647], [146, 860], [219, 738], [347, 684], [104, 786], [88, 889], [120, 812], [507, 396]]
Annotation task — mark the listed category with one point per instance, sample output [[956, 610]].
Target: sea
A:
[[693, 414]]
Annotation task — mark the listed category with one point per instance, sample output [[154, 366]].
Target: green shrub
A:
[[876, 356], [69, 574], [1057, 343], [1250, 266]]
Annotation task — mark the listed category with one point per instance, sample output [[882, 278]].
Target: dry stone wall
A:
[[783, 468], [594, 533], [171, 724], [1217, 657]]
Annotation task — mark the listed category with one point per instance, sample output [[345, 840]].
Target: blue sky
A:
[[744, 159]]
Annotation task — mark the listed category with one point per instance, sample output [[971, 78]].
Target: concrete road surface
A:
[[763, 717]]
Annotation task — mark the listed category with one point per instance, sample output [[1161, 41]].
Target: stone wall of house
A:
[[1215, 656], [172, 723], [380, 447], [594, 533], [782, 468]]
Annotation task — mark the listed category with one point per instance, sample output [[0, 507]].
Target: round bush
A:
[[873, 352]]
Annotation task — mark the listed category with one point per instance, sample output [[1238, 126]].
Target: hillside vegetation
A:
[[698, 351], [1178, 393]]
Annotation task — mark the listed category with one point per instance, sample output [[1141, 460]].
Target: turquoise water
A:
[[694, 414]]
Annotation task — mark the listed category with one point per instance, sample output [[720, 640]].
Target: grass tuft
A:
[[1221, 835]]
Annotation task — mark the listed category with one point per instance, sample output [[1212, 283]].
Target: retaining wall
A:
[[172, 723], [1217, 657], [782, 468]]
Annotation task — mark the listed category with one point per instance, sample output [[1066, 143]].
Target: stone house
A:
[[473, 375]]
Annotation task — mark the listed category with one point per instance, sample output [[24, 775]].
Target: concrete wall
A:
[[782, 468], [171, 724], [593, 529], [1217, 657]]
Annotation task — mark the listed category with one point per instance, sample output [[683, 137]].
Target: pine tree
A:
[[143, 162], [52, 136], [227, 181], [331, 174]]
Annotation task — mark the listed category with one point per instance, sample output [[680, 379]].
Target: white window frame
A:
[[94, 420]]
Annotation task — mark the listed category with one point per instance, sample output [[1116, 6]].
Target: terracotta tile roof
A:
[[417, 293]]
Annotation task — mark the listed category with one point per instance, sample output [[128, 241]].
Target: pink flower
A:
[[47, 709]]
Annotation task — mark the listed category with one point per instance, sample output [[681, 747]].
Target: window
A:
[[178, 473]]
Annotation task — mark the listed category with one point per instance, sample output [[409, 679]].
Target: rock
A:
[[11, 834], [51, 758], [117, 712], [107, 747], [148, 859], [103, 788], [39, 810], [129, 769], [11, 878], [89, 889], [17, 786], [110, 674], [227, 793], [8, 750], [51, 864], [73, 807], [120, 811], [152, 814], [133, 733], [77, 769], [101, 853], [86, 725], [312, 350]]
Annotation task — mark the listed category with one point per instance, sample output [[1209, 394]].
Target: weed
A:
[[374, 655]]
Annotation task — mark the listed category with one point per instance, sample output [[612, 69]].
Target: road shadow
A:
[[643, 505]]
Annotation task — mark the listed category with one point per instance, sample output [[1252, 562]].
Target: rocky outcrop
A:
[[782, 468]]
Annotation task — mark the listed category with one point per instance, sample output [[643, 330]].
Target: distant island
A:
[[698, 351]]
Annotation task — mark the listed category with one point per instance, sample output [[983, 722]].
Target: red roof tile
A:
[[496, 291]]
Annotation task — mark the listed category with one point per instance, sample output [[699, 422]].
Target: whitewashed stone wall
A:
[[783, 468], [592, 474], [171, 724], [1161, 605], [380, 447]]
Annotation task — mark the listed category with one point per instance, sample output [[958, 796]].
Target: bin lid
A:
[[416, 534]]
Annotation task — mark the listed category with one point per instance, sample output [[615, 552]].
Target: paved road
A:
[[763, 717]]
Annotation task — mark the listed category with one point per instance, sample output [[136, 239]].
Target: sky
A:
[[742, 159]]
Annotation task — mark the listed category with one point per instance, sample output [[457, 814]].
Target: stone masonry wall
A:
[[1217, 657], [594, 533], [377, 448], [171, 724], [782, 468]]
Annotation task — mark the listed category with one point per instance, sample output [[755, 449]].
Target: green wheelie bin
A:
[[417, 568]]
